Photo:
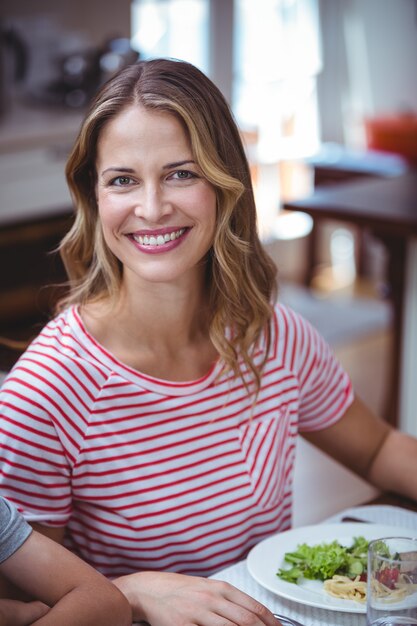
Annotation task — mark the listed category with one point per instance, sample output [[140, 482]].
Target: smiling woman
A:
[[160, 407]]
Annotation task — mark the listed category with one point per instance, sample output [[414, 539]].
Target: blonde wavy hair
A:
[[241, 278]]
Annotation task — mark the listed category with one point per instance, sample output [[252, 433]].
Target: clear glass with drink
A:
[[392, 582]]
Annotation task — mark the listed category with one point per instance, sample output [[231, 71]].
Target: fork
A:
[[287, 621]]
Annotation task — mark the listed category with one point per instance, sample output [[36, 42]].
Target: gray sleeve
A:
[[14, 530]]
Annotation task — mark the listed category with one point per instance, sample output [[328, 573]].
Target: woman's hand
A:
[[17, 613], [165, 599]]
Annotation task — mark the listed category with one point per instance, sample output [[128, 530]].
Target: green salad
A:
[[322, 561]]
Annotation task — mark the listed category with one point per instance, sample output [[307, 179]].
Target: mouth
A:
[[158, 239]]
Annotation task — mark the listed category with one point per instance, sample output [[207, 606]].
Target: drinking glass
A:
[[392, 582]]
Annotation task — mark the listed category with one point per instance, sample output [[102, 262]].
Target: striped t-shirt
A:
[[148, 474]]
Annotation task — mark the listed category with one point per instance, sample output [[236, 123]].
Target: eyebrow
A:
[[177, 164], [129, 170], [126, 170]]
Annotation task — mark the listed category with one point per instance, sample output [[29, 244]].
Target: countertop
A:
[[24, 127]]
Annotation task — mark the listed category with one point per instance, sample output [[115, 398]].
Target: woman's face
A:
[[157, 212]]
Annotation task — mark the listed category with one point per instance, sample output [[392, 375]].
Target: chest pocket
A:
[[268, 455]]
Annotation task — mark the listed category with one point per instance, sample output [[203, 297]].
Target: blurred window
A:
[[172, 28], [276, 60]]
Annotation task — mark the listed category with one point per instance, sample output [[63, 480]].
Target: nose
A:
[[152, 204]]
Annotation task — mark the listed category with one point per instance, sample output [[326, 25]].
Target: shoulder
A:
[[285, 317], [297, 344], [324, 387], [50, 394], [60, 355], [56, 376], [290, 331]]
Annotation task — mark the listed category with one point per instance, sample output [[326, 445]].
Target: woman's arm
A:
[[78, 595], [372, 448]]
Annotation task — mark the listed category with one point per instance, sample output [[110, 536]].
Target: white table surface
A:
[[239, 576]]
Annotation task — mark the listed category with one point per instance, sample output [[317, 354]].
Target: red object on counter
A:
[[394, 133]]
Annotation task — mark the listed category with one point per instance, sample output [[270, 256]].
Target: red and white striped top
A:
[[150, 474]]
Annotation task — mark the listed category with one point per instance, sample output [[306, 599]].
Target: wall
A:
[[392, 53]]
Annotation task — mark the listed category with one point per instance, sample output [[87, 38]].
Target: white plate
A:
[[267, 557]]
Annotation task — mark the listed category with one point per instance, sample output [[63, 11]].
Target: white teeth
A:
[[159, 240]]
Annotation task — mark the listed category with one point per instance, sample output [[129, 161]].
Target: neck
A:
[[161, 316], [167, 317], [159, 329]]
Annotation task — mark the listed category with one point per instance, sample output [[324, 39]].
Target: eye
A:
[[183, 175], [121, 181]]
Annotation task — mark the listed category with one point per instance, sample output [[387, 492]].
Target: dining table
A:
[[384, 510], [387, 208]]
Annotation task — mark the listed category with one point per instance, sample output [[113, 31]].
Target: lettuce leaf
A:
[[324, 560]]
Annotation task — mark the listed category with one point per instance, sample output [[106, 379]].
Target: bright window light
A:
[[292, 225], [277, 57], [171, 28]]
